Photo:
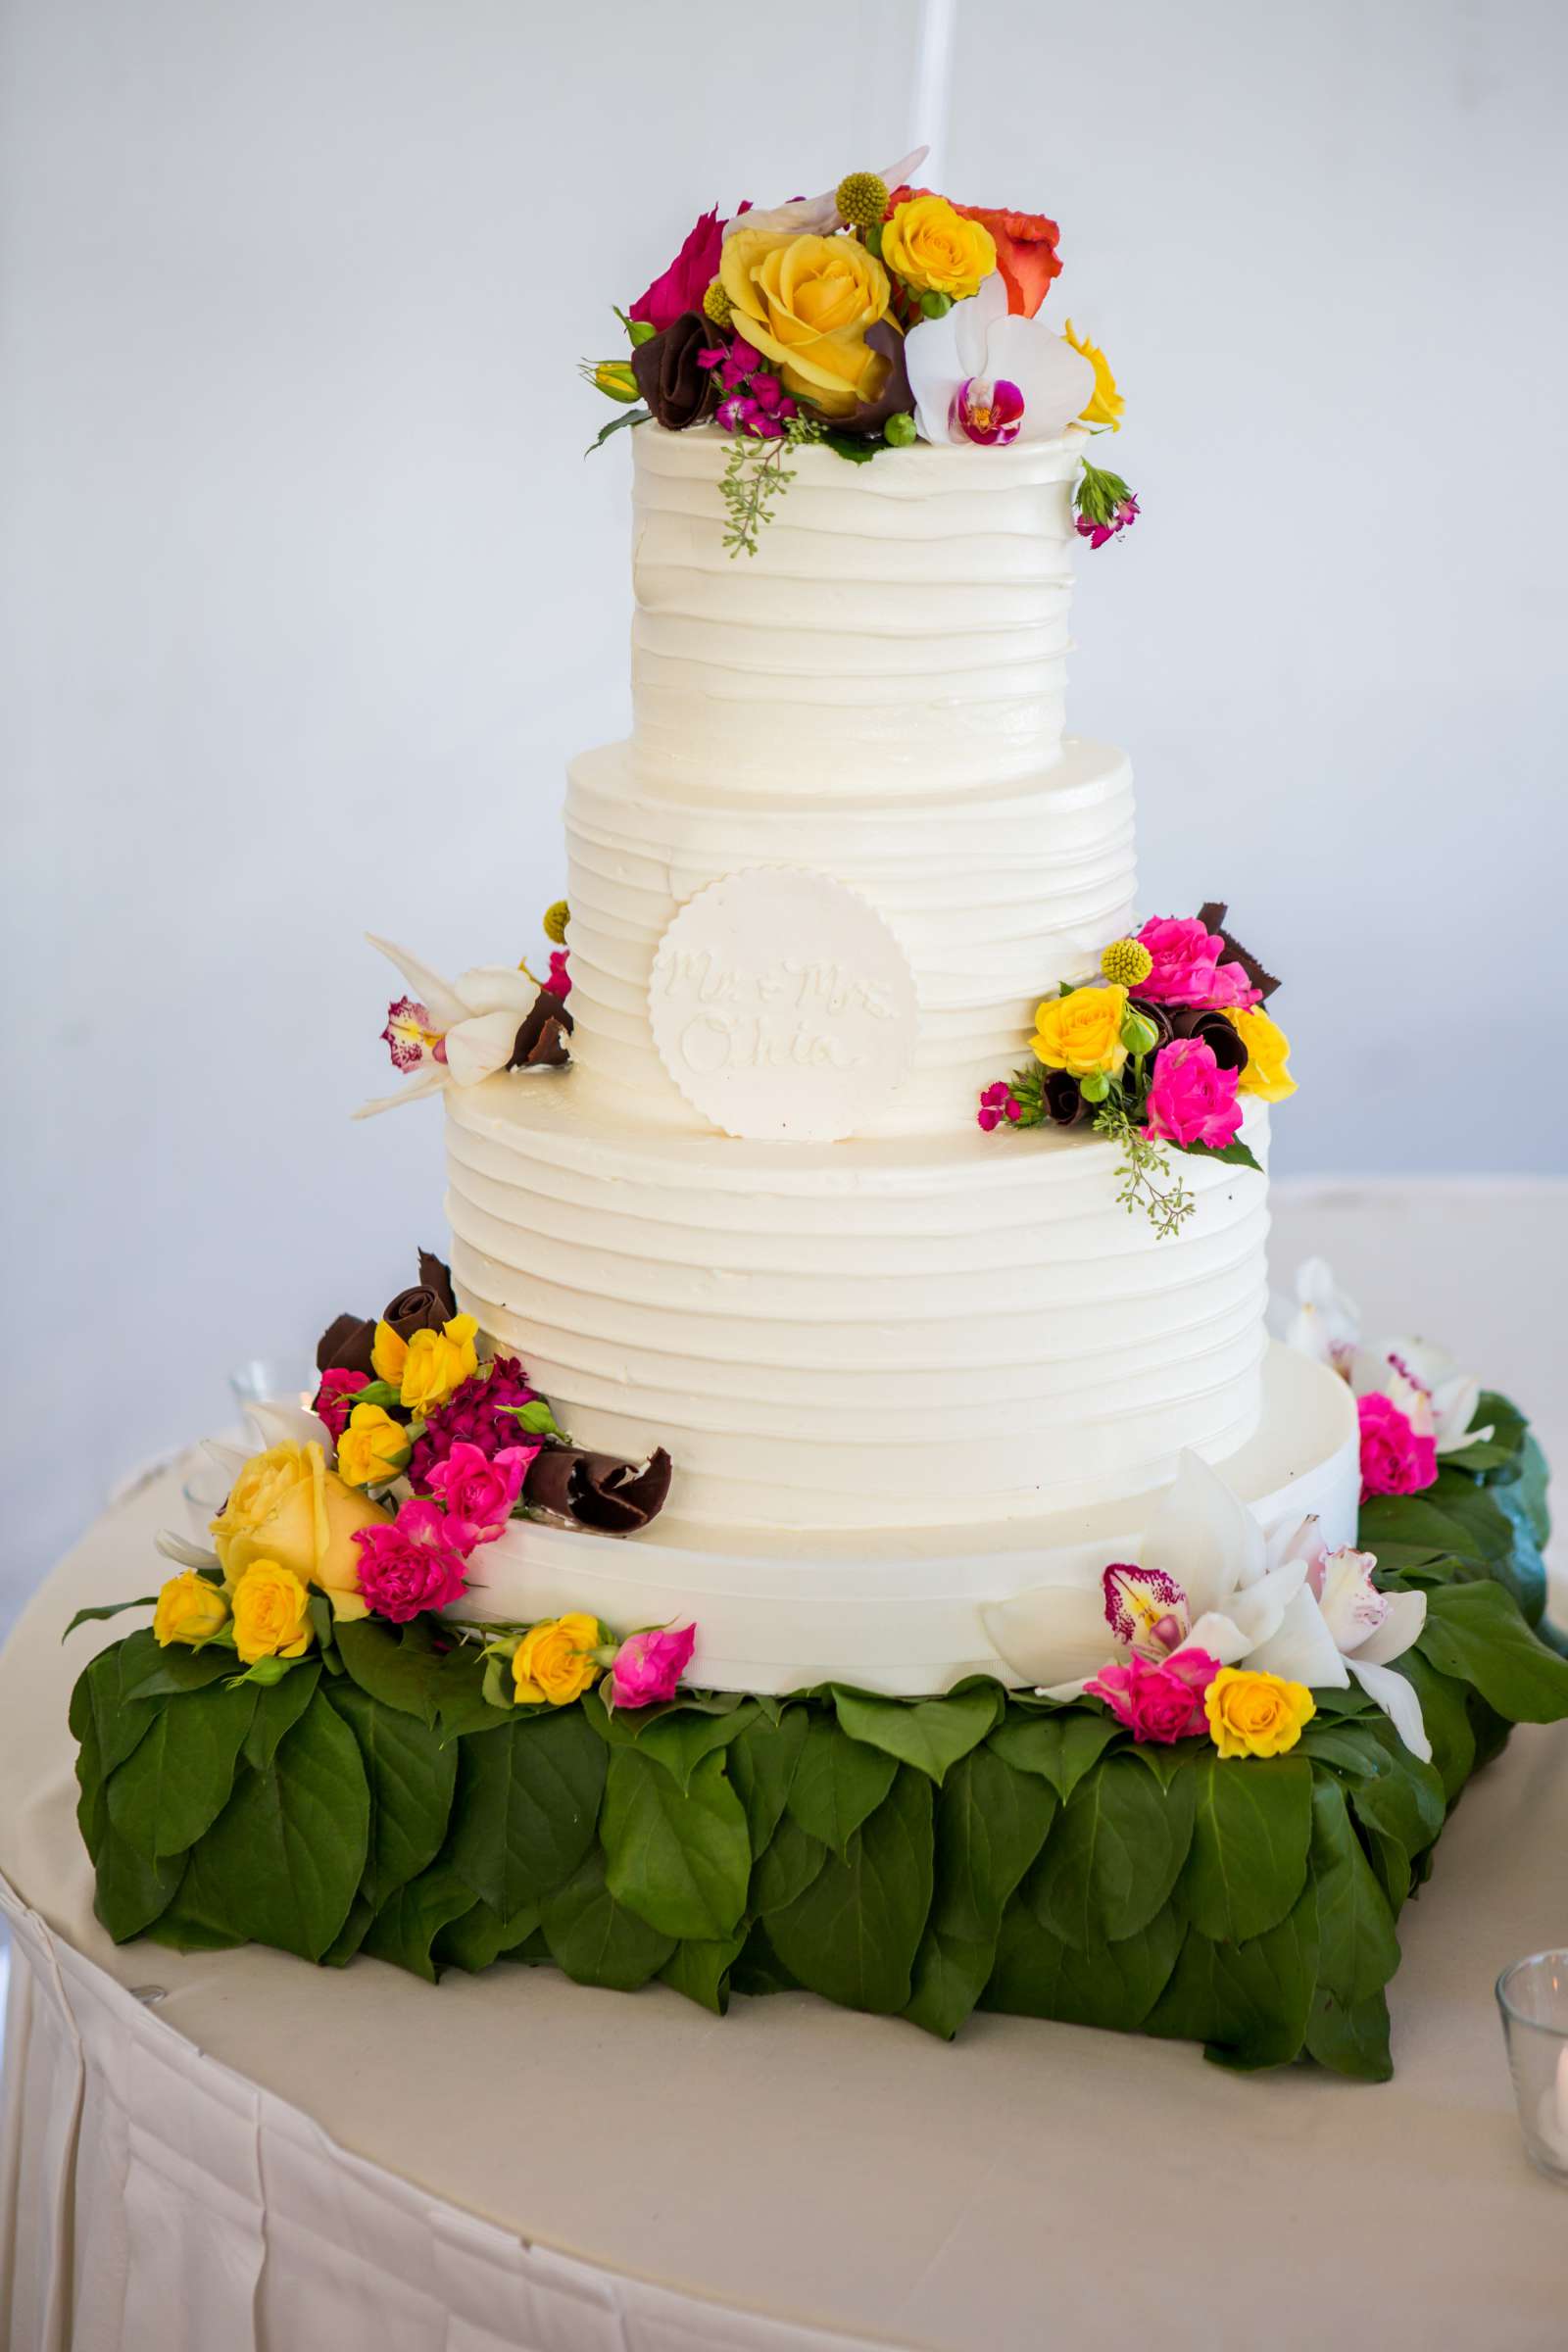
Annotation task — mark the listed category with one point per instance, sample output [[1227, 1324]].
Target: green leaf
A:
[[148, 1671], [457, 1689], [1114, 1985], [1358, 1949], [786, 1867], [394, 1664], [1112, 1860], [1250, 1832], [1352, 1748], [1446, 1718], [616, 424], [277, 1710], [762, 1764], [701, 1971], [854, 1933], [838, 1782], [594, 1939], [854, 448], [481, 1936], [405, 1930], [98, 1704], [526, 1804], [1401, 1813], [1452, 1519], [991, 1822], [680, 1858], [949, 1976], [1523, 1574], [283, 1861], [1060, 1747], [1476, 1634], [1351, 2042], [345, 1945], [1531, 1490], [177, 1782], [1249, 2003], [681, 1741], [931, 1733], [758, 1968], [112, 1608], [1234, 1155], [412, 1777]]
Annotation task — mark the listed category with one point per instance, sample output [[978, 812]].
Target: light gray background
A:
[[308, 592]]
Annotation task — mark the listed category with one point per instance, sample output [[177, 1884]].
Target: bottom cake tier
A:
[[901, 1612]]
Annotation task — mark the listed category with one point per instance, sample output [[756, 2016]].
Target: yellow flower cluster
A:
[[936, 250], [1106, 404], [557, 1661], [288, 1508], [268, 1608], [807, 302], [1256, 1714], [426, 1368], [373, 1447], [1081, 1032], [1267, 1072]]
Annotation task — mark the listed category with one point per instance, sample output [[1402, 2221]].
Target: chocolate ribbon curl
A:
[[345, 1344], [679, 392], [869, 417], [1213, 918], [1222, 1037], [541, 1039], [1061, 1098], [599, 1491]]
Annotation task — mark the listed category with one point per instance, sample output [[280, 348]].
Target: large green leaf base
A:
[[980, 1850]]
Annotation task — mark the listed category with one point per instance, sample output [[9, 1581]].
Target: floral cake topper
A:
[[873, 317]]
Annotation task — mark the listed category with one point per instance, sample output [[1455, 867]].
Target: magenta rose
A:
[[649, 1666], [1187, 969], [409, 1566], [334, 1399], [687, 279], [1163, 1701], [1191, 1098], [1395, 1458], [478, 1489]]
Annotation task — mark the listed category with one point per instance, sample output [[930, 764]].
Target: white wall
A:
[[308, 592]]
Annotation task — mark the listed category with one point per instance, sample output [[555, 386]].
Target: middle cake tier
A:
[[858, 1335], [994, 898]]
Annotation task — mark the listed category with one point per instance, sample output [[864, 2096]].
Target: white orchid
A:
[[983, 374], [1208, 1579], [452, 1032], [1435, 1396], [819, 215]]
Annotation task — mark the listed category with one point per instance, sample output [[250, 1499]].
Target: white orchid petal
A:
[[935, 371], [497, 988], [1219, 1636], [1055, 1634], [1407, 1614], [183, 1551], [1301, 1648], [230, 1459], [902, 173], [973, 320], [286, 1425], [1399, 1704], [819, 215], [1453, 1409], [1056, 381], [1203, 1537], [438, 996], [477, 1048], [428, 1081], [1327, 1325]]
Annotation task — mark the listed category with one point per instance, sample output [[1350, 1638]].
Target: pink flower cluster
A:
[[649, 1666], [558, 980], [334, 1399], [474, 1416], [1122, 519], [997, 1104], [1395, 1459], [420, 1561], [1191, 1098], [1163, 1701], [755, 401], [683, 284], [1188, 969]]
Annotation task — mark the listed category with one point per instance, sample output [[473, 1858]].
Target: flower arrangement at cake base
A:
[[1193, 1839]]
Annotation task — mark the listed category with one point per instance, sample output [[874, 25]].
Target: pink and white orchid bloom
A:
[[1435, 1396], [1326, 1322], [1209, 1580], [819, 215], [451, 1032], [981, 373]]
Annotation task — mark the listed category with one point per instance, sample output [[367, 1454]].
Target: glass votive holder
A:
[[205, 1492], [274, 1380], [1533, 1997]]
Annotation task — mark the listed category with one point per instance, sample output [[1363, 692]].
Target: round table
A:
[[235, 2150]]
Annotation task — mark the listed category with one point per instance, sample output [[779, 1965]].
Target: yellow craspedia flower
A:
[[1080, 1033], [861, 198], [936, 250], [556, 1663], [806, 302], [556, 916], [1267, 1072], [716, 308], [1107, 406], [1253, 1714], [190, 1608], [271, 1613], [426, 1368], [372, 1449], [1126, 961]]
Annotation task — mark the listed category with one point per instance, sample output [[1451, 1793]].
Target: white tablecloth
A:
[[269, 2156]]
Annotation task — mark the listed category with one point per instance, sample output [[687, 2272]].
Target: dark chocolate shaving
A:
[[1222, 1037], [678, 389], [869, 417], [599, 1491], [1061, 1098], [541, 1039], [345, 1346], [1213, 918]]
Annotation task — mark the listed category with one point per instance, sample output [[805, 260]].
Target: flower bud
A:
[[1139, 1034], [934, 305], [614, 378], [641, 331], [899, 430], [1095, 1087]]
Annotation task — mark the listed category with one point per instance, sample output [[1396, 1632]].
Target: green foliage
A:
[[929, 1857]]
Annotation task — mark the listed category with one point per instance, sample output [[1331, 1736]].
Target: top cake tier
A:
[[902, 627]]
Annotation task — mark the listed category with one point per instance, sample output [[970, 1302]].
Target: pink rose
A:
[[478, 1490], [1163, 1701], [1191, 1098], [687, 279], [1187, 966], [648, 1666], [334, 1399], [409, 1566], [1395, 1459]]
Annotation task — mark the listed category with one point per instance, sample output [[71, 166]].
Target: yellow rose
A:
[[1267, 1072], [271, 1613], [190, 1608], [1107, 404], [372, 1449], [425, 1369], [556, 1662], [805, 304], [1253, 1714], [1082, 1033], [936, 250], [286, 1505]]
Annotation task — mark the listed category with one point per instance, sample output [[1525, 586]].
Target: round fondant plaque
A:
[[782, 1005]]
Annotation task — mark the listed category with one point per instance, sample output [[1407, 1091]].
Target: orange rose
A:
[[1026, 249]]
